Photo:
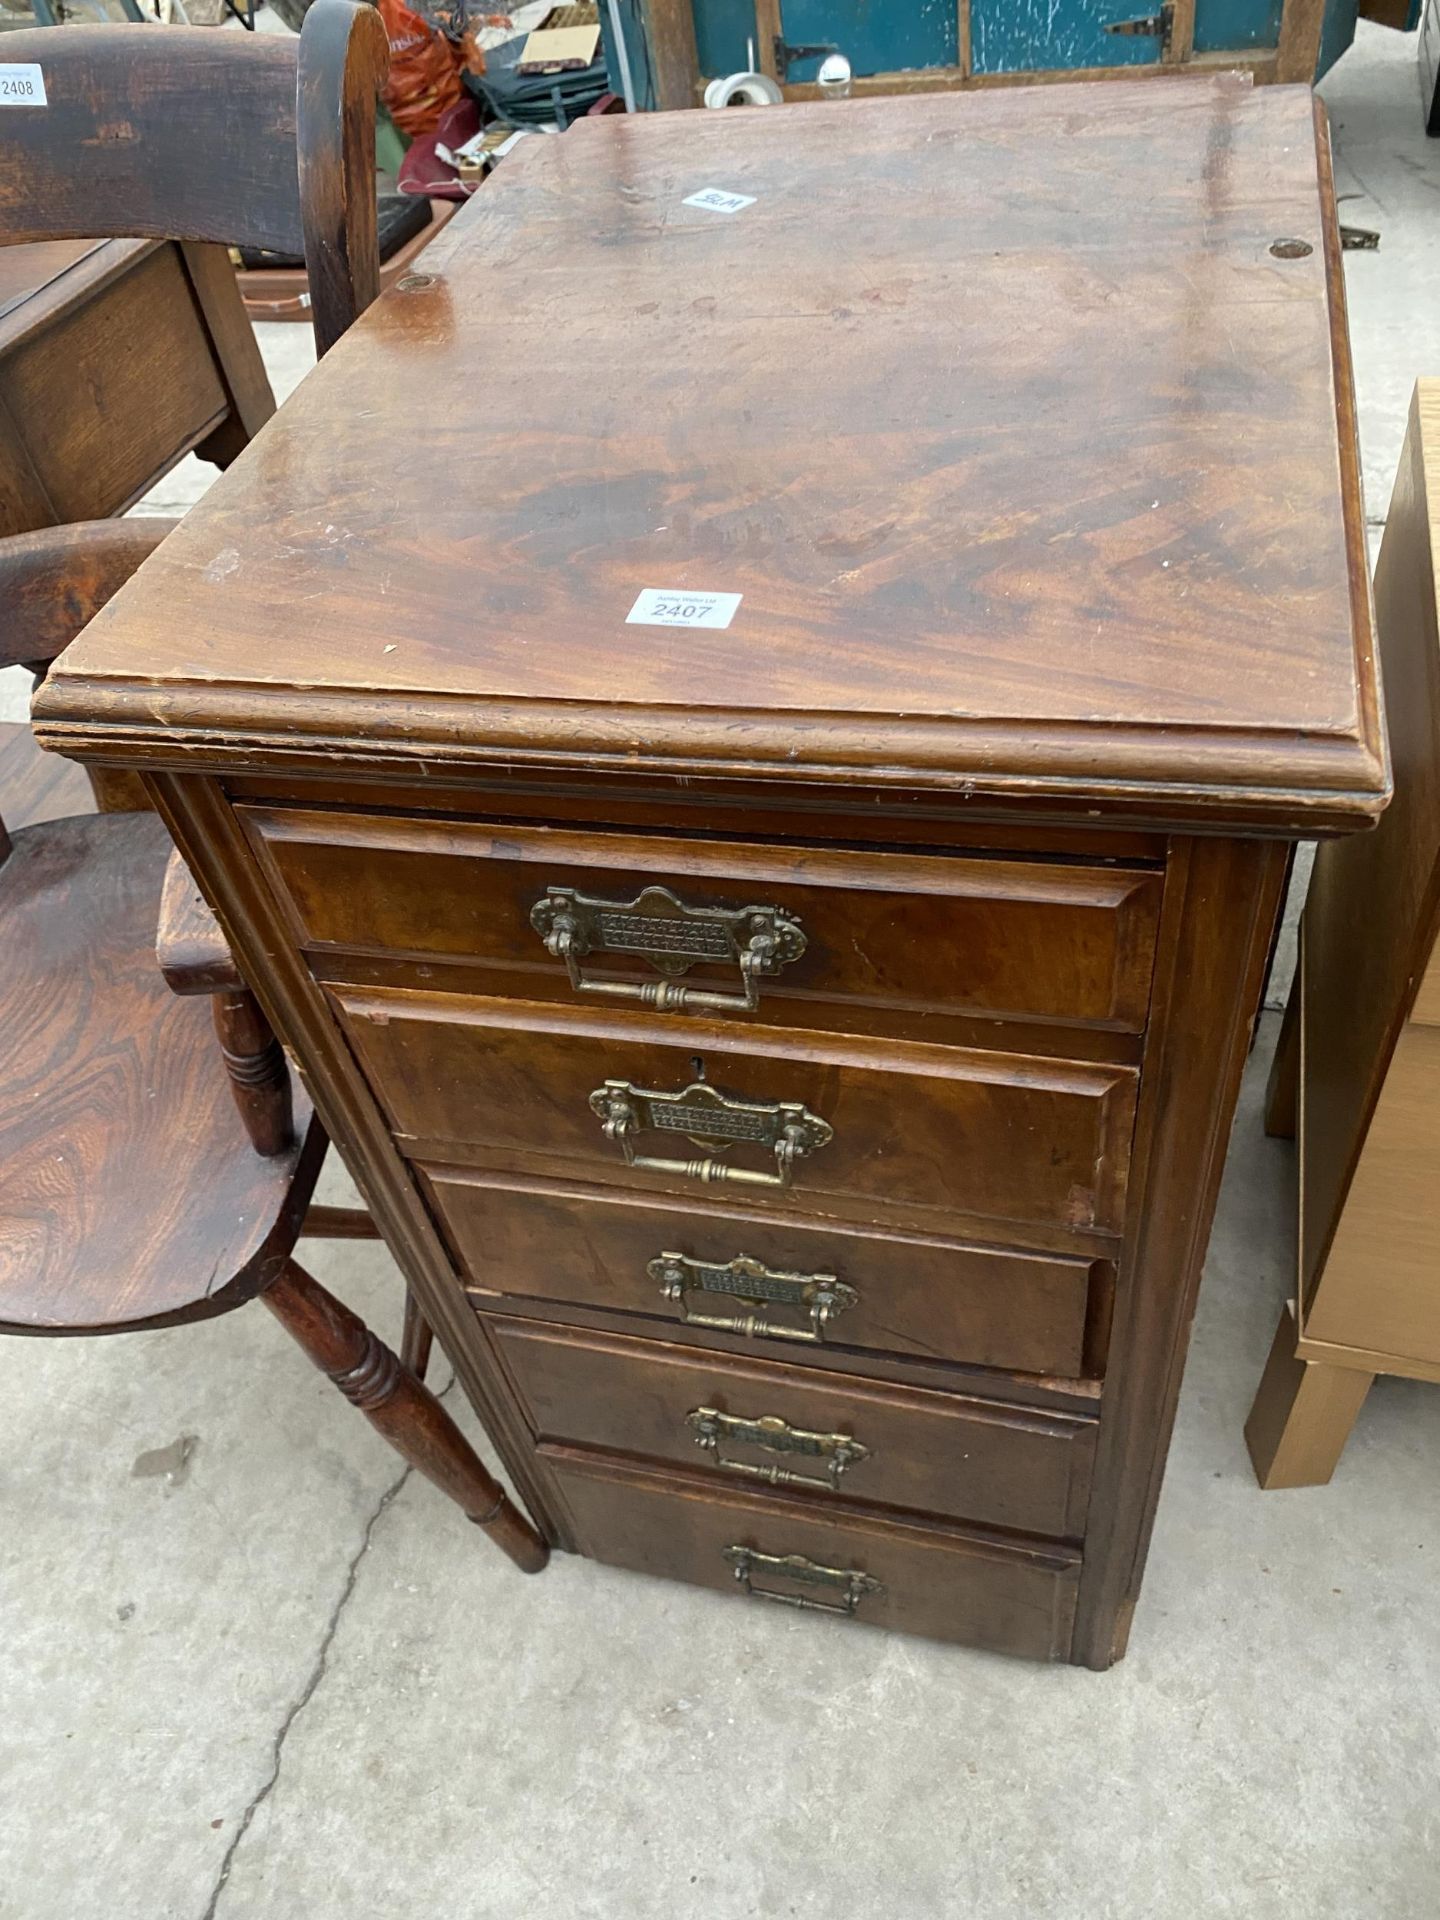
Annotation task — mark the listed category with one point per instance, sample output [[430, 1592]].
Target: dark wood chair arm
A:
[[194, 954], [55, 580]]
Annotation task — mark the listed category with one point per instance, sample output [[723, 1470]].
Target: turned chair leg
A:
[[416, 1338], [255, 1062], [406, 1413], [354, 1223], [1302, 1415]]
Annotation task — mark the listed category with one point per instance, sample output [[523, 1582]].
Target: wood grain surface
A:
[[36, 786], [916, 1295], [128, 1190], [941, 1454], [190, 949], [894, 939], [919, 1131], [264, 142], [1048, 486], [983, 1591], [1377, 1287]]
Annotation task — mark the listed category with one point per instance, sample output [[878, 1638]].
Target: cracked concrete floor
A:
[[250, 1668]]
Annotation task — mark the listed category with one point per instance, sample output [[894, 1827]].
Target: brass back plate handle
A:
[[819, 1296], [673, 937], [851, 1585], [709, 1119], [713, 1430]]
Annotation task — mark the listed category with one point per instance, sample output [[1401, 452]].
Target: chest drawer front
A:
[[924, 1298], [903, 1130], [763, 1550], [887, 939], [956, 1457]]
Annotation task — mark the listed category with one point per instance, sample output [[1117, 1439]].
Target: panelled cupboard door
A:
[[1039, 36], [910, 37], [874, 39], [1223, 26]]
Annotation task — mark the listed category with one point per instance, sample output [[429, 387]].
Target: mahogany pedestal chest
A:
[[747, 726]]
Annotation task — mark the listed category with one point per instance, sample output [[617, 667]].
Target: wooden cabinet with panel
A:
[[116, 358], [1357, 1072], [792, 1055]]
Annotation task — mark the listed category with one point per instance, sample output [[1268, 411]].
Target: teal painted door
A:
[[1045, 36], [875, 36], [1006, 36], [1236, 26]]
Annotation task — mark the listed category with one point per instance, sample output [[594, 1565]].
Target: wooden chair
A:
[[241, 140], [136, 1189], [195, 138]]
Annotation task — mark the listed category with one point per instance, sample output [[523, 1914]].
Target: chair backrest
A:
[[246, 139], [54, 581]]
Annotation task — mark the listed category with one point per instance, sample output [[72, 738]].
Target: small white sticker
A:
[[22, 84], [678, 607], [716, 200]]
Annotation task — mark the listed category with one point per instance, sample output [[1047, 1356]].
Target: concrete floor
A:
[[282, 1678]]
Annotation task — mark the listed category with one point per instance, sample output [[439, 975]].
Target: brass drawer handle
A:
[[673, 937], [710, 1120], [820, 1295], [713, 1429], [852, 1585]]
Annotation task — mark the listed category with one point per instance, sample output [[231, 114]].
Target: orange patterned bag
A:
[[424, 79]]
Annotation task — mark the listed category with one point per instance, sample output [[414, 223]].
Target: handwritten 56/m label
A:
[[22, 84], [664, 607], [717, 200]]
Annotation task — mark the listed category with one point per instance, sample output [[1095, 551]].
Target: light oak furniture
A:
[[135, 1192], [792, 1058], [1357, 1073], [117, 358]]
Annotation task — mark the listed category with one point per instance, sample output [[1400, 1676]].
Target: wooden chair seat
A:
[[129, 1193], [37, 786], [139, 1187]]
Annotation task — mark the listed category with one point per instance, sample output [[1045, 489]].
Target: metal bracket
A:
[[785, 54], [1157, 26], [673, 937], [710, 1119], [852, 1585], [771, 1434], [820, 1295]]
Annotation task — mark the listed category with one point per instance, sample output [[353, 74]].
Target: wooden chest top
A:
[[1031, 462]]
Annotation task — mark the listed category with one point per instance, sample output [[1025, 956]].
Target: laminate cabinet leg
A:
[[1282, 1091], [1302, 1415], [395, 1403]]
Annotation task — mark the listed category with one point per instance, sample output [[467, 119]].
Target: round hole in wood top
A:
[[1290, 249], [414, 282]]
